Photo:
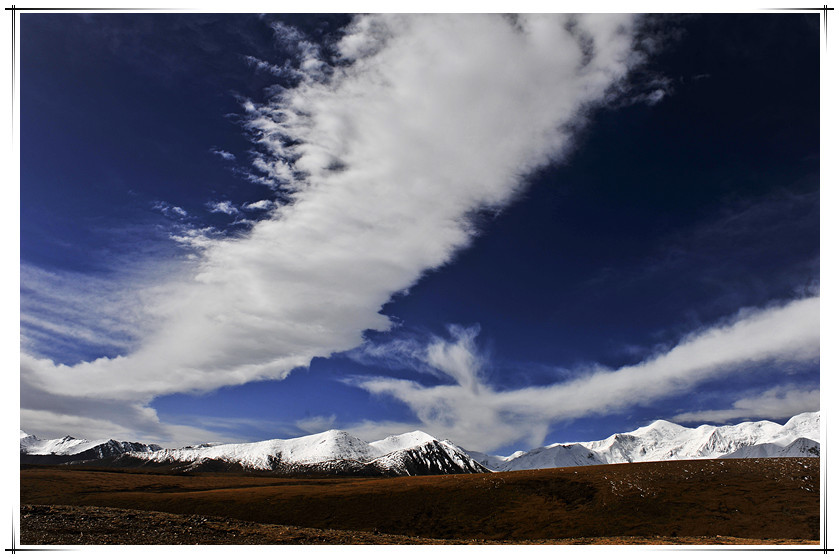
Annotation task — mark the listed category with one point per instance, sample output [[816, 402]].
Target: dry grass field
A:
[[700, 501]]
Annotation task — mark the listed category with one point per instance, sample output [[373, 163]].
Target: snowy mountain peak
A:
[[806, 425], [329, 445], [807, 417], [401, 442], [659, 426], [332, 434], [415, 434]]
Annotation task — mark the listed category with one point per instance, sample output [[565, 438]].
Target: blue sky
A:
[[507, 231]]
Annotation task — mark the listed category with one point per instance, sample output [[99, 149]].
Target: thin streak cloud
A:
[[471, 411], [779, 402]]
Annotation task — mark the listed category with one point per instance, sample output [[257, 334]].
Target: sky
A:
[[507, 231]]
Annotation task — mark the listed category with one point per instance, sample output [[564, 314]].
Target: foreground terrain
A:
[[774, 500], [68, 525]]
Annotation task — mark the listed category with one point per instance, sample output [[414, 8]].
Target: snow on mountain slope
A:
[[400, 442], [553, 456], [27, 441], [801, 447], [667, 441], [71, 448], [407, 454], [29, 444], [807, 425], [663, 440], [430, 457], [265, 455], [660, 429]]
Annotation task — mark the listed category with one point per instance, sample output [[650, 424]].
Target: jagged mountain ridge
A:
[[663, 440]]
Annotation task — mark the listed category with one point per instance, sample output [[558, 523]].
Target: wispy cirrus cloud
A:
[[316, 424], [779, 402], [139, 424], [427, 120], [74, 314], [265, 66], [170, 210], [469, 410]]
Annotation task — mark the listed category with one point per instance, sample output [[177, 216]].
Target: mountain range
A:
[[663, 440], [417, 453], [331, 452]]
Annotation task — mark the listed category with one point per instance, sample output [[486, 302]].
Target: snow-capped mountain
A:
[[55, 451], [663, 440], [418, 453], [329, 452]]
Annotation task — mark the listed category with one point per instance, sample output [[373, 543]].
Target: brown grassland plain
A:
[[772, 500]]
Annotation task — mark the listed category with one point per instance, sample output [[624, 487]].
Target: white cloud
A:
[[169, 210], [226, 155], [780, 402], [54, 425], [308, 53], [196, 238], [72, 311], [47, 425], [430, 119], [316, 424], [471, 412], [259, 205], [264, 66], [655, 96], [224, 207]]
